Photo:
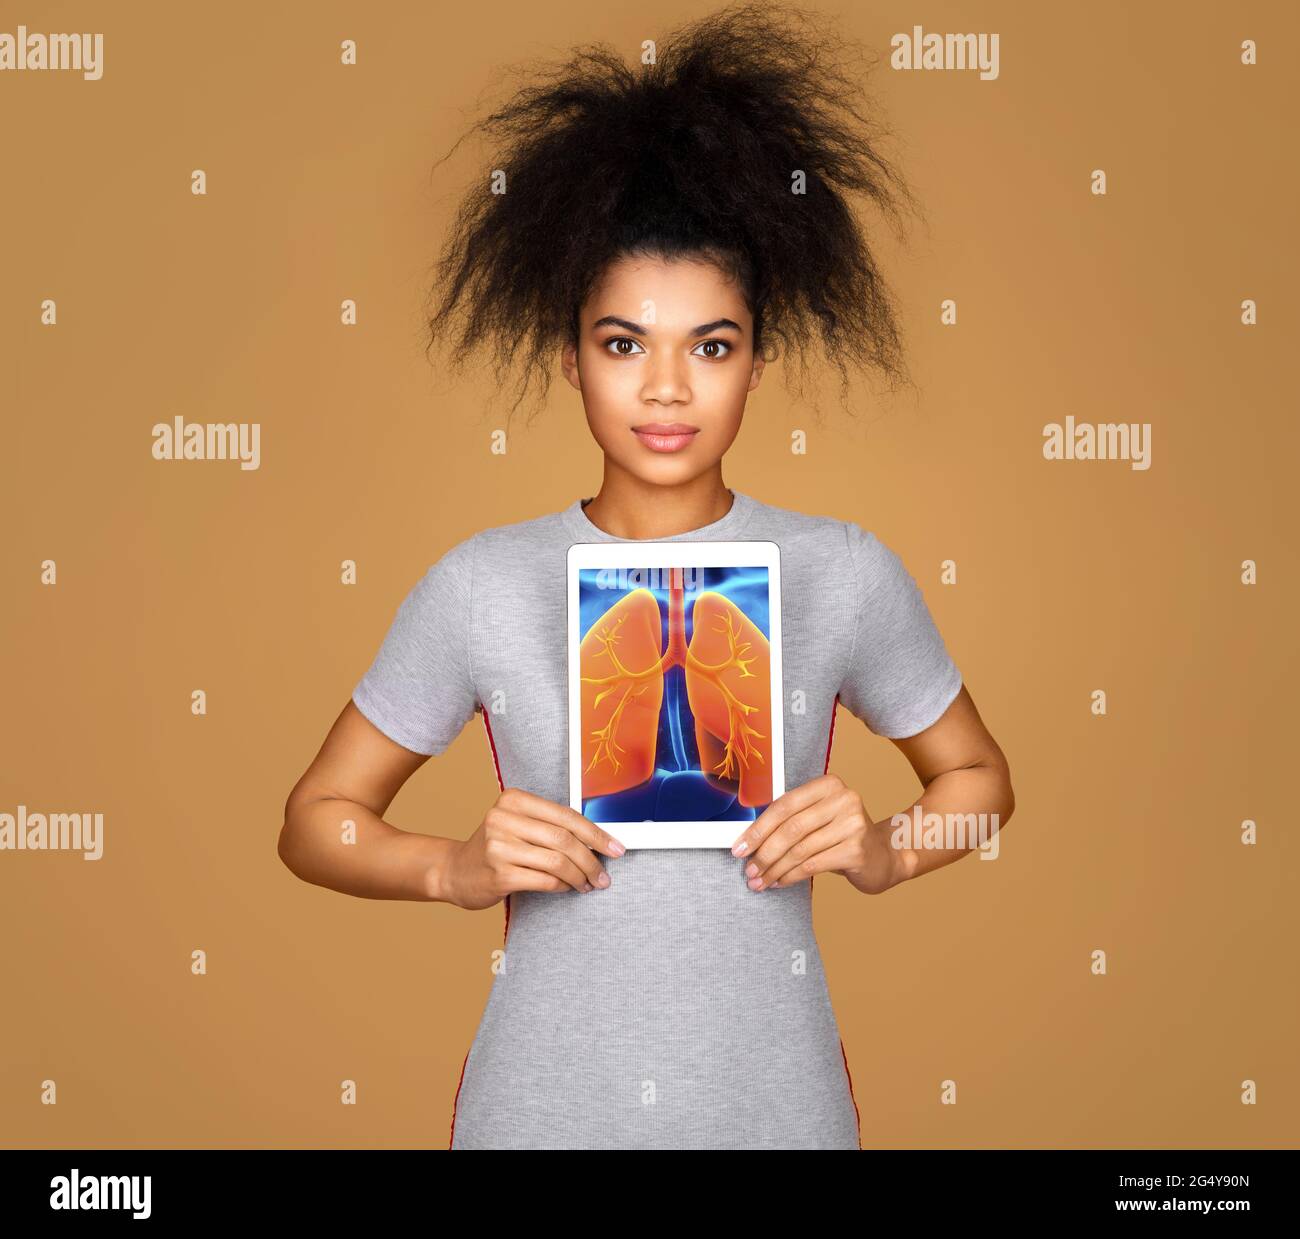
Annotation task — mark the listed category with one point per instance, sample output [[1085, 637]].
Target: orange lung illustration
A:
[[728, 690], [728, 686], [622, 690]]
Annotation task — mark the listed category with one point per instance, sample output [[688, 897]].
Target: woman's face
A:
[[664, 362]]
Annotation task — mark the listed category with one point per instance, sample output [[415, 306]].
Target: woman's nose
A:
[[666, 379]]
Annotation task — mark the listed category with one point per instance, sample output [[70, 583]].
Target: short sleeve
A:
[[419, 691], [900, 678]]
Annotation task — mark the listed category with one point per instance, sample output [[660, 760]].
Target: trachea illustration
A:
[[677, 728]]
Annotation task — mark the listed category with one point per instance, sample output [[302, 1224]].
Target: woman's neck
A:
[[629, 507]]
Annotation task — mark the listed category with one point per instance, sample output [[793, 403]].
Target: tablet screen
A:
[[675, 685]]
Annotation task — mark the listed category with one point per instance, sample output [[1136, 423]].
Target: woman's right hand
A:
[[527, 843]]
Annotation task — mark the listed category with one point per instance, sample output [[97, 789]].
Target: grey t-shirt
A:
[[676, 1008]]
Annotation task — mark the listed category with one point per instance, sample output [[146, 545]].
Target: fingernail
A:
[[586, 886], [751, 870], [741, 848], [616, 847], [755, 884], [603, 880]]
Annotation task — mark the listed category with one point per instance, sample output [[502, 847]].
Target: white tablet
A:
[[675, 718]]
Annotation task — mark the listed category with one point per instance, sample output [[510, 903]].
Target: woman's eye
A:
[[621, 352], [626, 346], [722, 344]]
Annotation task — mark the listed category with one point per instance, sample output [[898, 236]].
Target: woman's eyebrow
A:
[[612, 320]]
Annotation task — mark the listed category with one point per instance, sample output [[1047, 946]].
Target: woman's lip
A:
[[660, 438]]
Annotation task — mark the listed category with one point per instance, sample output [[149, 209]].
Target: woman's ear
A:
[[569, 364], [759, 363]]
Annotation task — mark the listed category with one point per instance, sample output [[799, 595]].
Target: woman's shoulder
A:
[[819, 545], [821, 533], [515, 542]]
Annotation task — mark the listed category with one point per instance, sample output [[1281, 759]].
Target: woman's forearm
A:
[[349, 848], [959, 798]]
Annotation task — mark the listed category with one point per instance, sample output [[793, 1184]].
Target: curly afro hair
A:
[[740, 141]]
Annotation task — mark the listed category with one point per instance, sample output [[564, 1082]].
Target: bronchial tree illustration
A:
[[740, 735], [631, 684]]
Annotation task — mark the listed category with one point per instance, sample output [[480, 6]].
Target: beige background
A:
[[1072, 576]]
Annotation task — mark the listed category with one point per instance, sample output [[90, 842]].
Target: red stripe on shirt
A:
[[829, 741], [505, 933]]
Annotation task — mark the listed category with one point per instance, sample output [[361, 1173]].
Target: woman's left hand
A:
[[818, 827]]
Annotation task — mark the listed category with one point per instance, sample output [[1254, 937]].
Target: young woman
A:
[[659, 228]]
